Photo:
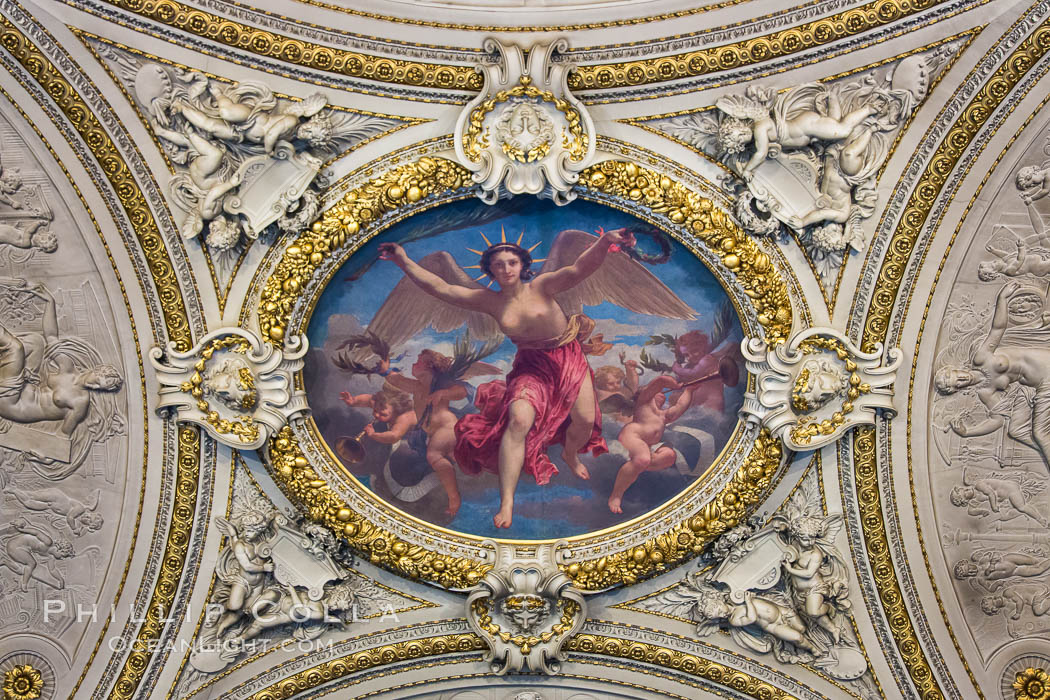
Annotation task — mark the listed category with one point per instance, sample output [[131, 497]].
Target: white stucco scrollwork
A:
[[817, 386], [232, 384], [525, 609], [525, 132]]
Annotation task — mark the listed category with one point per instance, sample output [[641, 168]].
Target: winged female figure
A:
[[548, 397]]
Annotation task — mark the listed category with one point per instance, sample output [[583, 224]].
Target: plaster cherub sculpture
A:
[[818, 578], [791, 121], [764, 622]]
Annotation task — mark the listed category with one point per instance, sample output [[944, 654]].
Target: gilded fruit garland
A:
[[346, 226]]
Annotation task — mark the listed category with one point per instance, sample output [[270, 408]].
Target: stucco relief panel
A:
[[65, 407], [988, 435]]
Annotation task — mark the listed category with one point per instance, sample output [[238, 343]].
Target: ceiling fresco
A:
[[499, 350]]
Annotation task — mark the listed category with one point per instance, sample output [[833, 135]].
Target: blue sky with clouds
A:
[[567, 506]]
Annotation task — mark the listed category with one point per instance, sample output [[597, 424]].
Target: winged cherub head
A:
[[498, 260]]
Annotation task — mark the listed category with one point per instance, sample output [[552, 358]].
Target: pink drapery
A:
[[549, 378]]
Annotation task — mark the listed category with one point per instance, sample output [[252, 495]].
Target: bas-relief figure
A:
[[990, 435], [63, 408]]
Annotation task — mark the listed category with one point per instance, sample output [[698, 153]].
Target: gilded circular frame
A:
[[302, 465]]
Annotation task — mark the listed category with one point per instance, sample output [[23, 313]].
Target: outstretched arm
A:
[[630, 381], [655, 387], [473, 299], [359, 401], [587, 264], [984, 427]]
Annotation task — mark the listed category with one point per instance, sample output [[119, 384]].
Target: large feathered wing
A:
[[409, 309], [621, 280]]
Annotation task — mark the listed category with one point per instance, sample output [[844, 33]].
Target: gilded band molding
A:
[[779, 44], [261, 42], [633, 21], [876, 327], [354, 64], [640, 652]]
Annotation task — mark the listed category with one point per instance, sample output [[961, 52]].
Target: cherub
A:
[[436, 382], [10, 183], [389, 405], [291, 607], [992, 565], [817, 576], [998, 494], [763, 622], [80, 516], [697, 359], [780, 621], [1033, 183], [244, 568], [248, 111], [549, 395], [785, 122], [1013, 263], [1018, 596], [29, 236], [29, 542], [205, 184], [651, 416], [615, 385]]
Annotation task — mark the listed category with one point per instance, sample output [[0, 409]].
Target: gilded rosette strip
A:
[[330, 671], [683, 207], [260, 42], [680, 661], [775, 45], [876, 327], [343, 222], [293, 473]]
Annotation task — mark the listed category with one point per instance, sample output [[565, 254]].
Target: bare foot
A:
[[503, 517], [614, 504], [453, 506], [577, 467]]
